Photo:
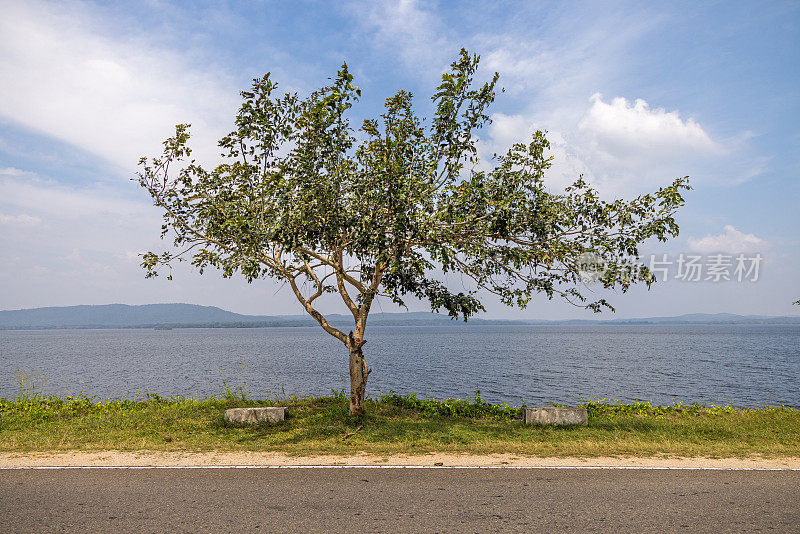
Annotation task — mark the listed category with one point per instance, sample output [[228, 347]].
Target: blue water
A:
[[740, 365]]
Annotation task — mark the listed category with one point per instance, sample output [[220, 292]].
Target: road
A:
[[398, 500]]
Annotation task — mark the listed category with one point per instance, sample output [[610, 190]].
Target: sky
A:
[[631, 94]]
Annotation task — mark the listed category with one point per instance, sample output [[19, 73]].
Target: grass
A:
[[393, 424]]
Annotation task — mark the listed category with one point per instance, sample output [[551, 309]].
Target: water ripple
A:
[[745, 365]]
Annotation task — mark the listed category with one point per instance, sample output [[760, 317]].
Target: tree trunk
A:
[[358, 377]]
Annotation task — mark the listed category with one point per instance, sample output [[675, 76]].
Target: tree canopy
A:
[[383, 210]]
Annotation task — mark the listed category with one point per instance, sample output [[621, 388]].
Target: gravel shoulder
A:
[[168, 459]]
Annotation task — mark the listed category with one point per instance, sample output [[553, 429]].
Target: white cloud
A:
[[731, 241], [52, 202], [11, 171], [74, 256], [550, 71], [415, 33], [22, 219], [622, 133], [65, 74], [631, 147], [558, 58], [129, 256], [505, 130], [79, 232], [621, 147]]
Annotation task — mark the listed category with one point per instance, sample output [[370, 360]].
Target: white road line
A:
[[565, 467]]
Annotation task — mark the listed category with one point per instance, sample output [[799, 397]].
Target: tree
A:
[[303, 197]]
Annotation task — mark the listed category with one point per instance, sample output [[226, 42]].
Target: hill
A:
[[193, 316], [116, 315], [190, 315]]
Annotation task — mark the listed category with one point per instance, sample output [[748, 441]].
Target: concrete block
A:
[[273, 414], [556, 416]]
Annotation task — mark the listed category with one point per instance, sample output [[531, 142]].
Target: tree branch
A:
[[335, 332], [340, 278]]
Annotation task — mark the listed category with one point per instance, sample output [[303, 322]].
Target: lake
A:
[[721, 364]]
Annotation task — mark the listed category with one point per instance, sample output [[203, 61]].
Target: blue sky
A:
[[632, 95]]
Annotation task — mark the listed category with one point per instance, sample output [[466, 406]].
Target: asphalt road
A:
[[398, 500]]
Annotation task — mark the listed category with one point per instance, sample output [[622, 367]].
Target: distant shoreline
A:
[[172, 326], [113, 316]]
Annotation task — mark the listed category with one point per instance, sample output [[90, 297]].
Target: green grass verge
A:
[[393, 424]]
